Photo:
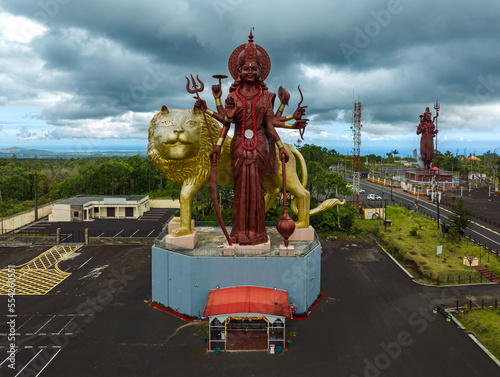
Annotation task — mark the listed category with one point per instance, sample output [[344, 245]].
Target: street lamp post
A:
[[436, 192], [385, 215]]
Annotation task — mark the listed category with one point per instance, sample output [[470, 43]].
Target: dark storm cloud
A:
[[106, 58]]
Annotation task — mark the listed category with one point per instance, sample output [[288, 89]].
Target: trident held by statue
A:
[[213, 166], [436, 107], [197, 91]]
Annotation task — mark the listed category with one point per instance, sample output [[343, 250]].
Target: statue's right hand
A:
[[216, 91], [215, 155], [230, 107], [283, 95], [201, 105]]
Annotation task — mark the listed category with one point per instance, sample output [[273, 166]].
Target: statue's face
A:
[[250, 71], [427, 116]]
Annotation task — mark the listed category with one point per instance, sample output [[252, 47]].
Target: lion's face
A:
[[177, 135]]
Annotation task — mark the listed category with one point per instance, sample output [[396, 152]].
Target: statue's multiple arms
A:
[[229, 111], [225, 115]]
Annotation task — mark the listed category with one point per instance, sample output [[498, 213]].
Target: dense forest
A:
[[57, 179]]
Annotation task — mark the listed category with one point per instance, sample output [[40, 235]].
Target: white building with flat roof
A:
[[90, 207]]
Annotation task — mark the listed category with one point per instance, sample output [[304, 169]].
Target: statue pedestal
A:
[[183, 279], [287, 251], [236, 249], [175, 223], [188, 241], [303, 234]]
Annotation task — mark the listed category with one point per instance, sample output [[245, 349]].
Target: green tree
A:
[[459, 220], [338, 218]]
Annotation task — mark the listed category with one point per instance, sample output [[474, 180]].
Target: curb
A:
[[455, 320], [424, 284], [473, 337], [395, 261], [453, 285]]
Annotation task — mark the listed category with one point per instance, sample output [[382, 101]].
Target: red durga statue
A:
[[249, 106]]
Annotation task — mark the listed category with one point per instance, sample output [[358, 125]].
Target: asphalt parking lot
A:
[[372, 321], [149, 225]]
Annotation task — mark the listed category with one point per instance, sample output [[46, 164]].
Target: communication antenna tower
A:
[[356, 133]]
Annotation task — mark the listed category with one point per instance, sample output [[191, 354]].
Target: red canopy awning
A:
[[247, 299]]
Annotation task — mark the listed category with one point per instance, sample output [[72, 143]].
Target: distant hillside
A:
[[22, 152]]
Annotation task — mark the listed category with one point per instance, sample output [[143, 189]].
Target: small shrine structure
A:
[[247, 318]]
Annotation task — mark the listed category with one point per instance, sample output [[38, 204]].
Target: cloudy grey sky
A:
[[90, 74]]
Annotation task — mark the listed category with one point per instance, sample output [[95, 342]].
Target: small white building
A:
[[90, 207]]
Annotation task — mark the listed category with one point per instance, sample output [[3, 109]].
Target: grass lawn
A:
[[413, 239], [485, 323]]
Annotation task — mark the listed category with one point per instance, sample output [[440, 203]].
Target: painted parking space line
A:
[[48, 362], [36, 332], [150, 233], [28, 363], [118, 233], [7, 358], [67, 236], [85, 262], [60, 331], [19, 328], [134, 233]]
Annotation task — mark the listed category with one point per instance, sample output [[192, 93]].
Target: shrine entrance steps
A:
[[488, 274]]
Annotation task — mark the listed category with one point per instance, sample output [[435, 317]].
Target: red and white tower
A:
[[356, 132]]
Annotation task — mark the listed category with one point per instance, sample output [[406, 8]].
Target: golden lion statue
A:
[[179, 145]]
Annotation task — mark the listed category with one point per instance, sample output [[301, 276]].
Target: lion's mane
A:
[[190, 169]]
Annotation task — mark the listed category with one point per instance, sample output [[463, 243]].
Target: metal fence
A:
[[28, 232], [487, 247], [218, 252], [74, 235], [474, 215]]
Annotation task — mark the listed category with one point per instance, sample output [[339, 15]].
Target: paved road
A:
[[487, 234], [373, 320]]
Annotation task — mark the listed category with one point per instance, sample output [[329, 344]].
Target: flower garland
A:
[[254, 126]]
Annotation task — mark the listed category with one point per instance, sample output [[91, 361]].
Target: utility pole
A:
[[1, 208], [496, 182], [36, 199]]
